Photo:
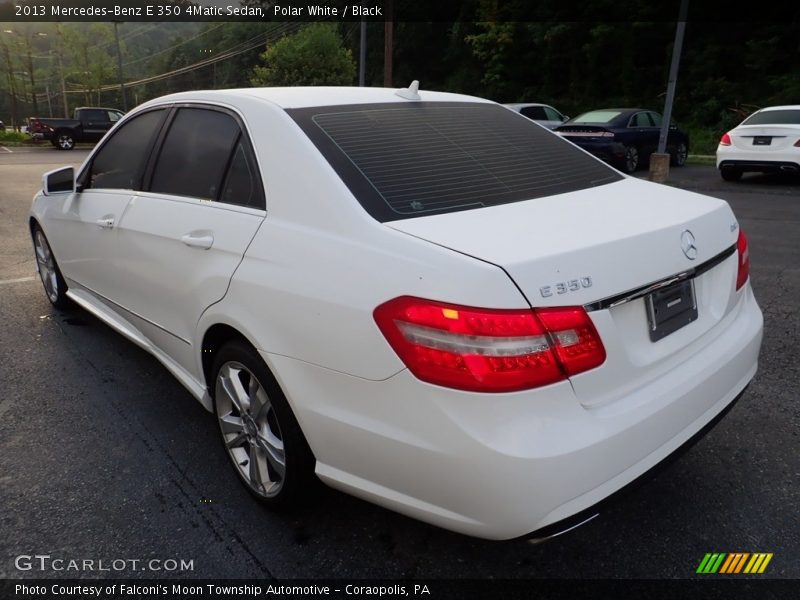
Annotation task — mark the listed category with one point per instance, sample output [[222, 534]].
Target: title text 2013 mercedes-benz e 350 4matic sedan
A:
[[423, 299]]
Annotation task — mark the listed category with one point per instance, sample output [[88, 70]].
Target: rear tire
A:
[[630, 162], [730, 173], [258, 430], [678, 158]]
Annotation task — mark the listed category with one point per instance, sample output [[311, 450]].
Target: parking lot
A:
[[105, 455]]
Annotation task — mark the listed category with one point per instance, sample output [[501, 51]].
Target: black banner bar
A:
[[540, 589], [786, 13]]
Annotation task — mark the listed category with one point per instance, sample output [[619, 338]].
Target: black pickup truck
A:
[[89, 124]]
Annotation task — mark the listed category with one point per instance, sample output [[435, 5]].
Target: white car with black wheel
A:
[[768, 141], [422, 299]]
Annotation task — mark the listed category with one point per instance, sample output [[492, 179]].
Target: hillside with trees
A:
[[727, 70]]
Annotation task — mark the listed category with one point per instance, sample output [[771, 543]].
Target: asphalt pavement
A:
[[105, 456]]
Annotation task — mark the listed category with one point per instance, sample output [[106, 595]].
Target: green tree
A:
[[313, 56]]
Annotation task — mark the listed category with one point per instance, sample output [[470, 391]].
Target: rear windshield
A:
[[597, 116], [407, 160], [774, 117]]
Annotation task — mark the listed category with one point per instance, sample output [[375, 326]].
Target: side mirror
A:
[[60, 181], [564, 118]]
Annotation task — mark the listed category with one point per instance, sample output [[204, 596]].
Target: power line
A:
[[235, 50], [194, 37]]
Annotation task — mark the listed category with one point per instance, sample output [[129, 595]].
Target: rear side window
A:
[[120, 162], [93, 115], [552, 114], [195, 153], [242, 182], [640, 120], [407, 160], [774, 117], [534, 112]]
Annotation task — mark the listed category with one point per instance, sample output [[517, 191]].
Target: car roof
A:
[[787, 107], [524, 104], [97, 108], [302, 97], [622, 110]]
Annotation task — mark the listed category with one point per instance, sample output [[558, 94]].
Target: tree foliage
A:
[[313, 56]]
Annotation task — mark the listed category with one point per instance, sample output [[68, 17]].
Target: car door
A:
[[95, 124], [554, 118], [84, 229], [183, 237], [646, 134]]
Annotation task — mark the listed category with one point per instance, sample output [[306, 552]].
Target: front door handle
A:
[[106, 222], [198, 239]]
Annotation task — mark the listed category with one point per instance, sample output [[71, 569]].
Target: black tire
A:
[[64, 140], [55, 288], [678, 157], [730, 173], [630, 161], [251, 432]]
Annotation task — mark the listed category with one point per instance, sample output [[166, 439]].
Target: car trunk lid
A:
[[584, 247], [765, 138]]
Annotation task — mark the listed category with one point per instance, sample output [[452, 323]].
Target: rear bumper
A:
[[761, 166], [608, 151], [765, 160], [501, 466]]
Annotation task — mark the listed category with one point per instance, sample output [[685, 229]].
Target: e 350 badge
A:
[[563, 287]]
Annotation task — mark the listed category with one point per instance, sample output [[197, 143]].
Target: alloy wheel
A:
[[47, 266], [250, 429], [65, 142], [631, 159]]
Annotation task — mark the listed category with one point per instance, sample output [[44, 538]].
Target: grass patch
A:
[[14, 136], [702, 140], [695, 159]]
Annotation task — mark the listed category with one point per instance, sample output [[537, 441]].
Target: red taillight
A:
[[725, 140], [743, 254], [576, 343], [797, 144], [489, 350]]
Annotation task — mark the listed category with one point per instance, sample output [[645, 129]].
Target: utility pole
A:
[[61, 72], [659, 160], [673, 75], [49, 104], [388, 44], [362, 53], [30, 74], [119, 70], [11, 84]]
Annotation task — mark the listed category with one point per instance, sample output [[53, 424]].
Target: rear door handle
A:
[[106, 222], [198, 239]]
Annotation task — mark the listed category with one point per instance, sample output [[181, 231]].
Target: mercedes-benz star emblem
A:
[[687, 245]]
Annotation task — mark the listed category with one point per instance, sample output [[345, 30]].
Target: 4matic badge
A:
[[562, 287]]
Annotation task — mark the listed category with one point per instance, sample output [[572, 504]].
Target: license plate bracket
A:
[[762, 140], [670, 309]]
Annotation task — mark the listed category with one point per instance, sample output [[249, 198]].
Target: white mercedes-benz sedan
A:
[[768, 141], [423, 299]]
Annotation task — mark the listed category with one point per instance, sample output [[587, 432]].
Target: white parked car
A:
[[767, 141], [422, 299], [544, 114]]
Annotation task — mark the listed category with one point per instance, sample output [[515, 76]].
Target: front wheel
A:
[[678, 158], [54, 285], [64, 140], [259, 430], [631, 160]]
